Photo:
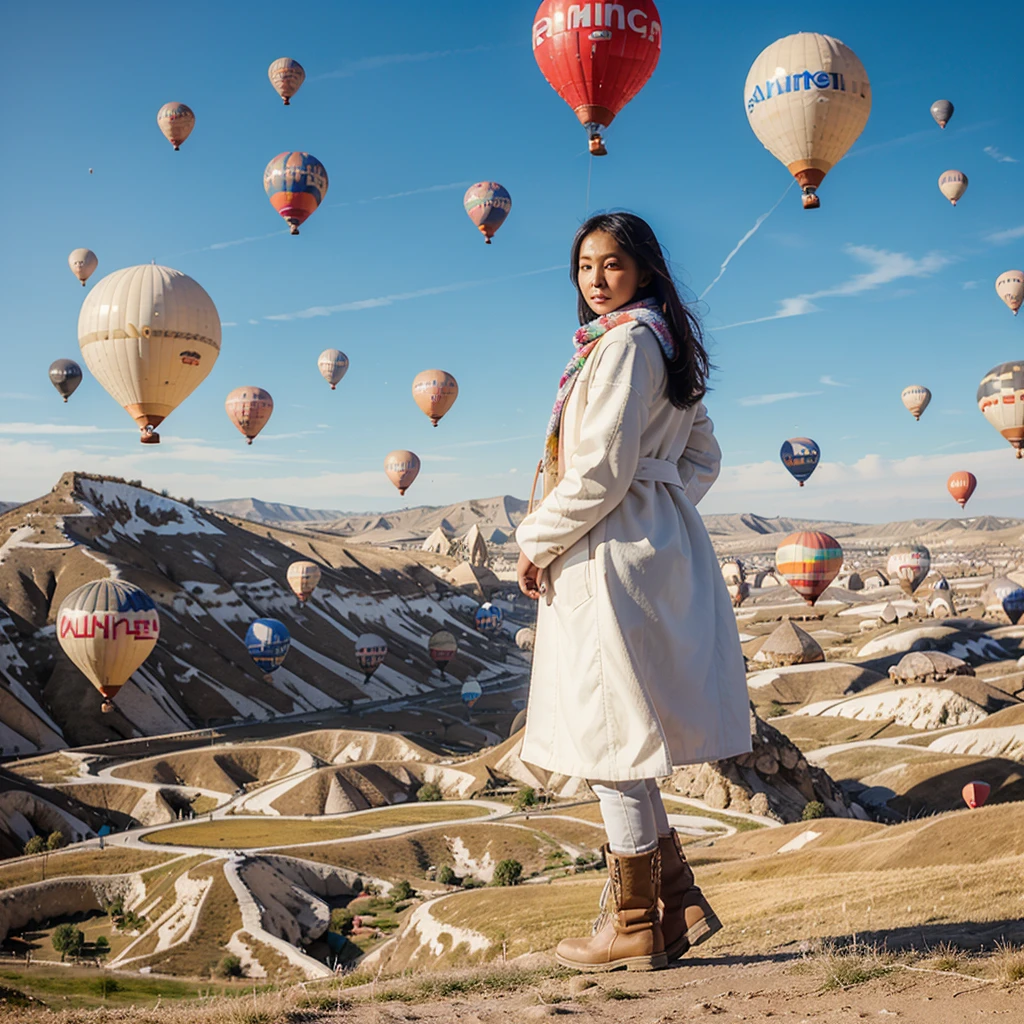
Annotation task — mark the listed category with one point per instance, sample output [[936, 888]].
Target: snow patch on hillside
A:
[[137, 512]]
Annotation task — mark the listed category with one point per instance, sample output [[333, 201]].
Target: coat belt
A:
[[662, 471]]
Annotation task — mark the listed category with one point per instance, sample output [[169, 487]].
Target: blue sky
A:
[[408, 104]]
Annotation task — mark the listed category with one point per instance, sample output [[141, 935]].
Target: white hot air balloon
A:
[[953, 184], [303, 578], [82, 263], [807, 98], [150, 335], [108, 628], [1010, 288], [333, 366], [916, 398]]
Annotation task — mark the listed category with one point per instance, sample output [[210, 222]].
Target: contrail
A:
[[743, 241]]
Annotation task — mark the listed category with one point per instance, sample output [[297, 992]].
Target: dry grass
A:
[[811, 732], [114, 860], [279, 969], [105, 796], [246, 833], [843, 967], [1008, 963], [50, 769], [222, 769], [418, 814]]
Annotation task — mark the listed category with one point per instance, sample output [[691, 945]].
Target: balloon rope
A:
[[590, 171]]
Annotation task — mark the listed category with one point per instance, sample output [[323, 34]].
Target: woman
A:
[[637, 665]]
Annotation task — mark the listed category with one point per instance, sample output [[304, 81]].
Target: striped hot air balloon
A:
[[371, 652], [800, 455], [975, 794], [810, 561], [303, 578], [442, 647], [267, 641], [333, 365], [916, 398], [296, 184], [488, 204], [286, 76], [249, 409], [108, 628], [488, 618], [176, 121], [908, 564], [1001, 401], [953, 185], [434, 391]]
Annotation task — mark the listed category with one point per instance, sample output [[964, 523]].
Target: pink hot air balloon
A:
[[488, 204], [249, 409], [402, 468], [176, 121], [975, 794]]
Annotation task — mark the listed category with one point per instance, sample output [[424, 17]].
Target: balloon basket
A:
[[294, 229], [811, 201], [107, 706], [149, 437], [597, 147]]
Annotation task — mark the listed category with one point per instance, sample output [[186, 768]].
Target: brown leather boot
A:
[[628, 934], [686, 917]]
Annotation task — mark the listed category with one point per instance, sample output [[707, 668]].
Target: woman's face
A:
[[607, 275]]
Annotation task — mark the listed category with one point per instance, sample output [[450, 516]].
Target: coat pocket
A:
[[571, 577]]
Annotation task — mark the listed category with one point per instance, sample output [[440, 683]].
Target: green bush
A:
[[35, 845], [429, 792], [401, 891], [102, 945], [775, 710], [526, 797], [447, 876], [230, 966], [55, 840], [813, 809], [508, 872], [67, 939]]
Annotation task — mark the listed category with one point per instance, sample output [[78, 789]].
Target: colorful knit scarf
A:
[[645, 312]]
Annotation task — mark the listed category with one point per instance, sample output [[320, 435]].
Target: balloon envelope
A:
[[526, 638], [402, 468], [975, 794], [83, 262], [961, 485], [286, 76], [371, 650], [488, 204], [807, 98], [65, 376], [1001, 401], [333, 365], [597, 64], [249, 408], [108, 628], [434, 391], [471, 692], [150, 335], [442, 646], [296, 184], [176, 121], [953, 184], [810, 561], [916, 399], [267, 641], [1010, 288], [303, 578], [908, 564], [942, 111], [800, 455], [488, 618], [1013, 605]]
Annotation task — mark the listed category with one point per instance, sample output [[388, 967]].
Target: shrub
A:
[[775, 710], [508, 872], [341, 920], [428, 792], [35, 845], [230, 966], [102, 945], [813, 809], [55, 841], [67, 939], [401, 891], [526, 797], [447, 876]]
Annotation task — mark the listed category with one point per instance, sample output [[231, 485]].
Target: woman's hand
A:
[[529, 577]]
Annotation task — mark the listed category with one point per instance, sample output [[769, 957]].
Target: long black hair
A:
[[688, 372]]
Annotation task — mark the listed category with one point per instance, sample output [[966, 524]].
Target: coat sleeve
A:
[[702, 459], [601, 470]]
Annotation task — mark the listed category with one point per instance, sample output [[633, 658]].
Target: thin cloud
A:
[[18, 396], [450, 187], [832, 382], [385, 60], [780, 396], [999, 156], [787, 308], [743, 241], [228, 323], [927, 134], [389, 300], [55, 428], [1009, 235], [216, 246], [969, 285]]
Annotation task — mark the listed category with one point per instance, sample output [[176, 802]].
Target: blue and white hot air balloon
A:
[[267, 641], [800, 455], [471, 692], [488, 618]]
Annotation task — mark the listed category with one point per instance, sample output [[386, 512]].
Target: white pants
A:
[[634, 815]]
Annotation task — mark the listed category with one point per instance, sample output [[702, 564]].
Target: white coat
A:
[[637, 665]]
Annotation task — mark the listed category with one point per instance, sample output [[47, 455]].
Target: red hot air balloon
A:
[[961, 485], [597, 56], [975, 794]]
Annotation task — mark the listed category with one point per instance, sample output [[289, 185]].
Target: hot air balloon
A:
[[1013, 604], [942, 111], [810, 561], [83, 262], [435, 391], [597, 57], [65, 376], [488, 204], [286, 76], [371, 650], [807, 98], [961, 485], [296, 184], [1001, 401], [471, 692], [908, 564], [150, 335], [108, 628], [402, 467], [267, 641], [800, 455], [333, 365], [249, 408], [1009, 287], [176, 121], [303, 578], [975, 794], [442, 646], [916, 399], [488, 618], [953, 184], [526, 638]]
